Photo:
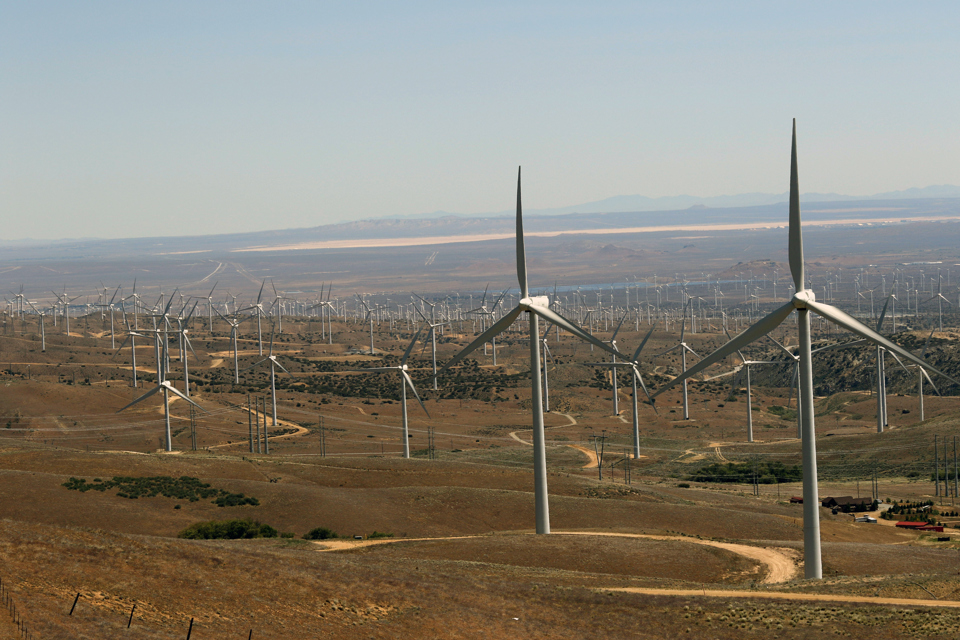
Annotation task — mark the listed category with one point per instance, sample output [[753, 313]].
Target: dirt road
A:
[[778, 562], [779, 595]]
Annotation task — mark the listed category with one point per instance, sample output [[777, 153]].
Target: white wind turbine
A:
[[258, 308], [272, 359], [405, 381], [803, 302], [923, 374], [634, 367], [43, 333], [167, 389], [940, 298], [684, 348], [234, 325], [536, 307], [433, 339]]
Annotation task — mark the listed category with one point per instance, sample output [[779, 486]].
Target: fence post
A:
[[130, 621], [190, 629], [74, 604]]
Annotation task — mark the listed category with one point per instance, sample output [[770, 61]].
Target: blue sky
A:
[[133, 119]]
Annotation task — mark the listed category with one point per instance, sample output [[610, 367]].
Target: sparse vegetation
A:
[[228, 530], [320, 533], [182, 488]]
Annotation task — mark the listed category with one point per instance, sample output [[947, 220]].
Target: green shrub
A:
[[320, 533], [379, 534], [228, 530], [684, 485], [182, 488]]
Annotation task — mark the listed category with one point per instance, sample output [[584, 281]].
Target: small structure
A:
[[847, 504], [866, 519], [796, 500], [920, 526]]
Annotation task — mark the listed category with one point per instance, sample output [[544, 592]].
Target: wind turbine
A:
[[684, 348], [43, 334], [803, 302], [234, 325], [167, 389], [633, 365], [433, 338], [405, 381], [940, 298], [923, 374], [209, 305], [272, 359], [536, 307], [258, 308], [746, 365]]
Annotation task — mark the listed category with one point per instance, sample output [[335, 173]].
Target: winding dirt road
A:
[[779, 563], [780, 595]]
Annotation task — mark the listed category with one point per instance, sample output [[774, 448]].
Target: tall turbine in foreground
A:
[[537, 307], [803, 303]]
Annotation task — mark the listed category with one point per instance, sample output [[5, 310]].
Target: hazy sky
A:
[[136, 118]]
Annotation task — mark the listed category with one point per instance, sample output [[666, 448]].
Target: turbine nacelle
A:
[[801, 298], [536, 301]]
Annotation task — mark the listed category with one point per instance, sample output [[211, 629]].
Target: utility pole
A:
[[323, 439], [954, 464], [598, 443], [193, 428], [250, 422], [936, 466], [266, 439]]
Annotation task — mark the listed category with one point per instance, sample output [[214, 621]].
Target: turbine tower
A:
[[803, 302], [537, 307]]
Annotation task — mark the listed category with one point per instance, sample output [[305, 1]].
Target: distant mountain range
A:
[[624, 204]]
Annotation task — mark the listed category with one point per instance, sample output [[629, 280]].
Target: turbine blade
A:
[[636, 354], [174, 391], [409, 382], [883, 313], [840, 318], [927, 343], [614, 336], [143, 397], [262, 285], [563, 323], [755, 332], [899, 362], [483, 338], [839, 345], [644, 387], [406, 354], [796, 235], [521, 255], [253, 365], [927, 376]]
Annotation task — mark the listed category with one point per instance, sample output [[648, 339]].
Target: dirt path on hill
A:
[[591, 456], [780, 595], [280, 423], [778, 562], [216, 362]]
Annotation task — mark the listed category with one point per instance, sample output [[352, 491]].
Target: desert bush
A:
[[379, 534], [182, 488], [228, 530], [743, 472], [320, 533]]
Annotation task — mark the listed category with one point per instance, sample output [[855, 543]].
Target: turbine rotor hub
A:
[[801, 298]]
